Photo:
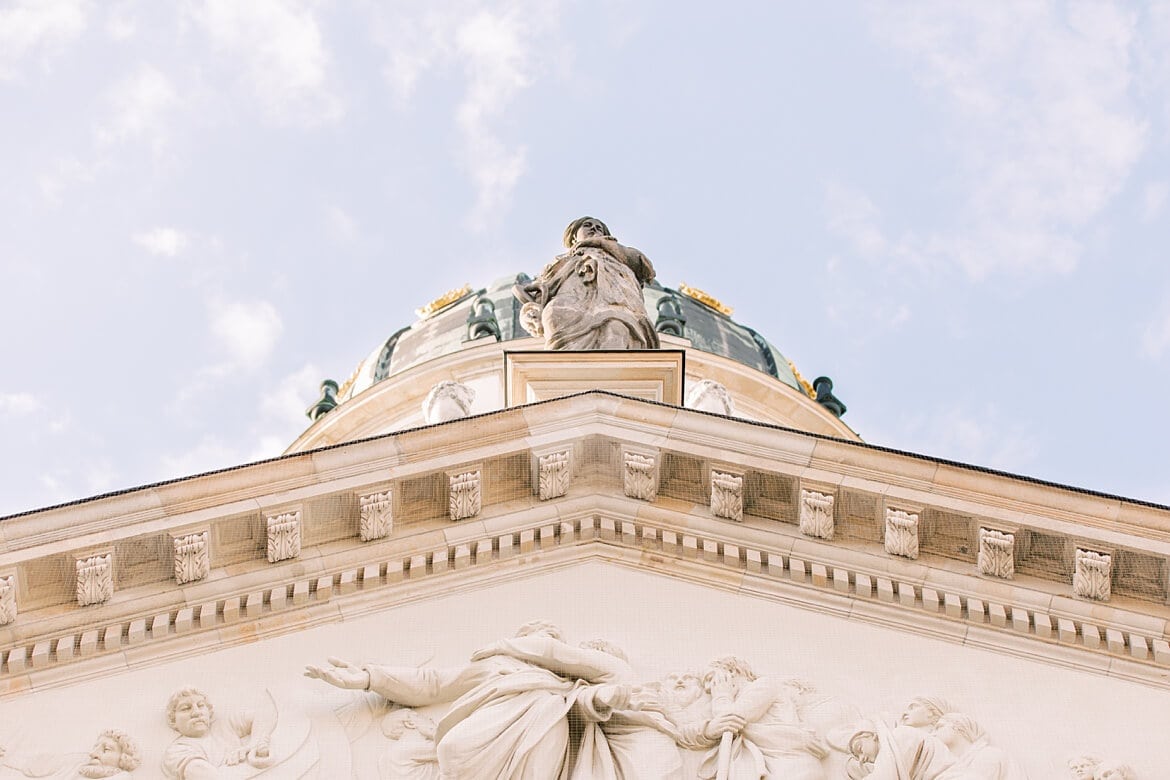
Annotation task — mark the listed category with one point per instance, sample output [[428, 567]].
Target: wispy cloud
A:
[[246, 330], [37, 27], [165, 241], [967, 433], [1154, 200], [285, 61], [1156, 337], [1039, 96], [139, 106], [19, 404], [65, 173], [499, 52], [341, 224]]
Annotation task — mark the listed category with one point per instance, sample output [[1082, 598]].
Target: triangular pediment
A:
[[838, 538]]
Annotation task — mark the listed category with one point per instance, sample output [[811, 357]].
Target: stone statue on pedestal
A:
[[591, 296]]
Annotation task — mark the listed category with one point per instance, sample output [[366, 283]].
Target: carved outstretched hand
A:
[[341, 674], [495, 648], [648, 698]]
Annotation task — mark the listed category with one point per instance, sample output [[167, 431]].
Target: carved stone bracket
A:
[[7, 599], [192, 560], [640, 475], [997, 553], [901, 533], [1094, 575], [95, 579], [377, 520], [816, 514], [553, 474], [727, 495], [466, 496], [284, 536]]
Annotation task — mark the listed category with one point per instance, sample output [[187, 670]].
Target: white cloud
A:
[[341, 225], [139, 105], [18, 404], [1047, 130], [499, 52], [165, 241], [44, 27], [285, 59], [1156, 338], [248, 330], [66, 172], [120, 23], [209, 454], [1154, 200], [970, 435]]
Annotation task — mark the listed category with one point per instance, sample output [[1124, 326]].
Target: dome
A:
[[446, 328], [461, 336]]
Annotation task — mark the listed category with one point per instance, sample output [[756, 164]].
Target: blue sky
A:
[[960, 212]]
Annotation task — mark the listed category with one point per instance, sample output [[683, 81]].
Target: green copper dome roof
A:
[[462, 319]]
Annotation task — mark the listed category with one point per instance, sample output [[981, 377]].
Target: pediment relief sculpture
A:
[[114, 755], [537, 706], [591, 296]]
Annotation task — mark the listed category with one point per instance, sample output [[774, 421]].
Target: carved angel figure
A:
[[591, 296], [205, 744], [509, 715]]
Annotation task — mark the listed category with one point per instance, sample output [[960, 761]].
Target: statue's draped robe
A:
[[773, 744], [591, 298], [908, 753], [983, 761], [508, 718]]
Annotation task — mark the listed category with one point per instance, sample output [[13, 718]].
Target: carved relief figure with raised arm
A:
[[591, 296], [770, 741], [205, 743], [508, 716]]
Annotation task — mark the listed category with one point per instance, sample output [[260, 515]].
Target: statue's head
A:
[[864, 746], [584, 227], [736, 668], [605, 646], [1112, 770], [683, 688], [954, 728], [113, 752], [1083, 767], [924, 711], [189, 712], [540, 628]]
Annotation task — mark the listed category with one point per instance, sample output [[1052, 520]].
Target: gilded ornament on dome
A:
[[705, 299], [443, 301], [808, 389]]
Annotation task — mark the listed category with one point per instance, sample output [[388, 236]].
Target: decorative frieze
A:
[[1093, 576], [377, 521], [727, 495], [997, 556], [284, 536], [640, 475], [901, 533], [465, 499], [7, 599], [553, 475], [95, 579], [192, 561], [816, 514]]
